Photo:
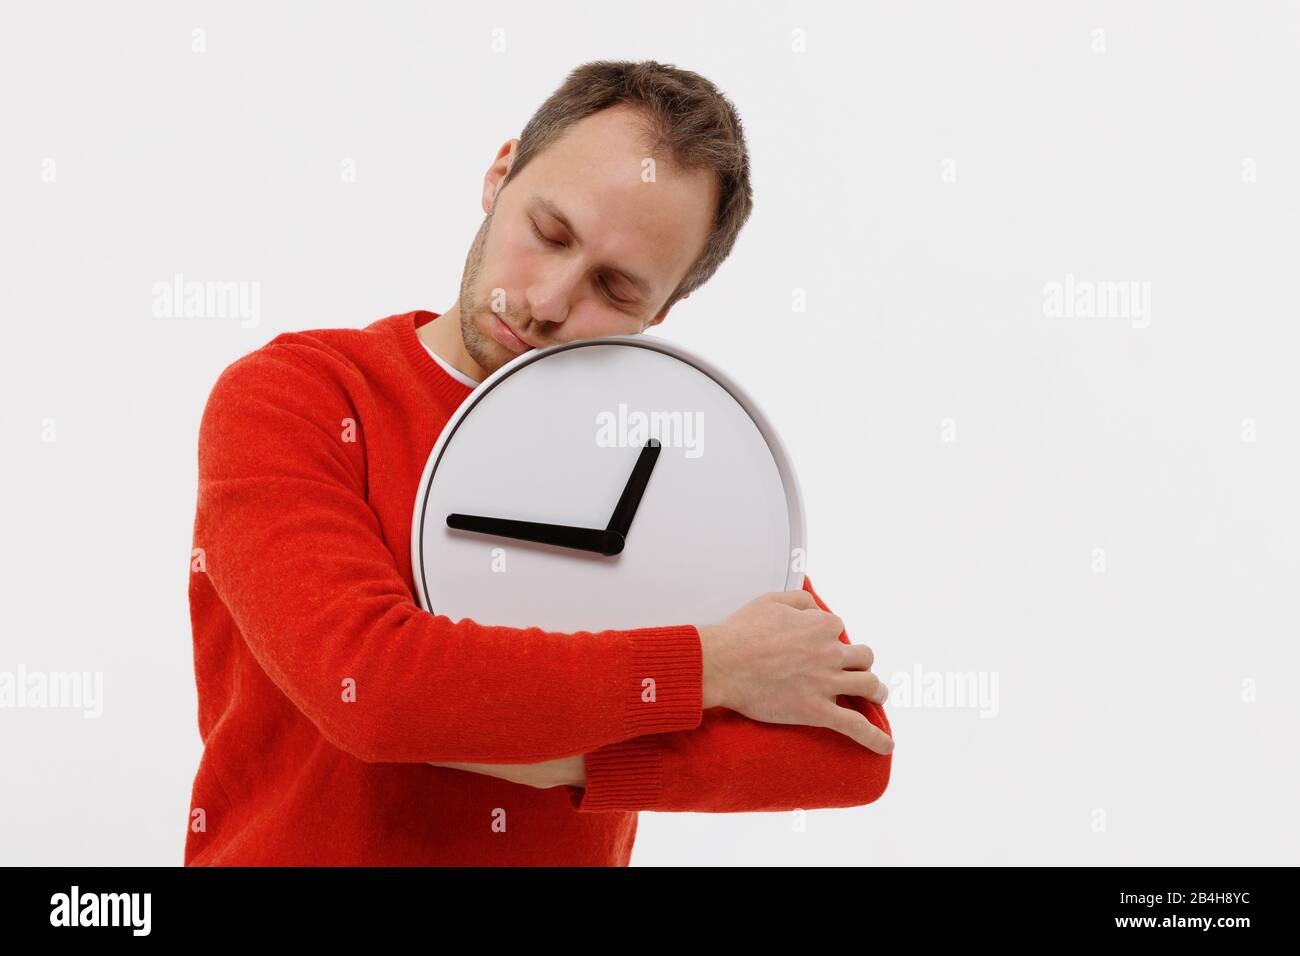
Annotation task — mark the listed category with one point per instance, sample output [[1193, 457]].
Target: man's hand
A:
[[566, 771], [779, 659]]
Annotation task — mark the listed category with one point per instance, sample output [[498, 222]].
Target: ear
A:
[[497, 172], [664, 313]]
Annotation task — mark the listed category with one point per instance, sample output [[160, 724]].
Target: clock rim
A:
[[794, 580]]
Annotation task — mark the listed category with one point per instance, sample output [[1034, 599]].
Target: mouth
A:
[[506, 336]]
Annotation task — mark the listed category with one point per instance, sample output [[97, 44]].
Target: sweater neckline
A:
[[443, 385]]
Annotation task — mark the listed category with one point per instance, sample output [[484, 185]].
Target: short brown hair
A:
[[687, 119]]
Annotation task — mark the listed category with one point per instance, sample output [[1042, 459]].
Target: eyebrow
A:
[[553, 210]]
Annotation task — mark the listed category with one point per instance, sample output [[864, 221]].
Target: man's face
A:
[[580, 245]]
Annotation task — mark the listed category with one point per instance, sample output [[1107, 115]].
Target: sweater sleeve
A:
[[296, 554], [731, 764]]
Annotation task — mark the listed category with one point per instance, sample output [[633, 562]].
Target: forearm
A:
[[733, 764], [566, 771]]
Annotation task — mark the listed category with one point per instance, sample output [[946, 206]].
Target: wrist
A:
[[577, 772], [711, 694]]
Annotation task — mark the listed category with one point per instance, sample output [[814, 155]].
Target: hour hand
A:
[[607, 542], [621, 521]]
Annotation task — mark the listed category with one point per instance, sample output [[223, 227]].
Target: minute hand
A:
[[621, 521], [607, 543]]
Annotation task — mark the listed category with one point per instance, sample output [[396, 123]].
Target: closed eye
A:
[[538, 233], [612, 295]]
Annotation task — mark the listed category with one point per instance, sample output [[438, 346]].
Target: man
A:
[[342, 723]]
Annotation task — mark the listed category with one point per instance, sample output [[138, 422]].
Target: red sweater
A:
[[324, 690]]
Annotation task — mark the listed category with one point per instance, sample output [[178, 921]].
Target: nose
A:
[[550, 296]]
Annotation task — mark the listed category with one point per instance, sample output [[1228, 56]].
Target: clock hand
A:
[[608, 543], [620, 522]]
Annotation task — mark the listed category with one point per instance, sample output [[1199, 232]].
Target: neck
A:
[[444, 337]]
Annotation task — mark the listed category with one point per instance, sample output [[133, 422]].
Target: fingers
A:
[[861, 684], [858, 657], [800, 600], [856, 726], [833, 623]]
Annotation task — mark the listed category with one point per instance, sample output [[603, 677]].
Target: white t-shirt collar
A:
[[455, 373]]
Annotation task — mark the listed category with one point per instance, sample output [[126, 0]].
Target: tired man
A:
[[343, 724]]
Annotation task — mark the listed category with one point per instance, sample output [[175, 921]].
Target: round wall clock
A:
[[620, 482]]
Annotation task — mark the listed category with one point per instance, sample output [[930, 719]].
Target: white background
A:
[[1157, 698]]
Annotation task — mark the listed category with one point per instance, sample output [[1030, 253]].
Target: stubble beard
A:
[[486, 352]]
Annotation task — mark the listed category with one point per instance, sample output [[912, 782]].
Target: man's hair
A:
[[686, 119]]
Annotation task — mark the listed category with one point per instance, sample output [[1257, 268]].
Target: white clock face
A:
[[554, 438]]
